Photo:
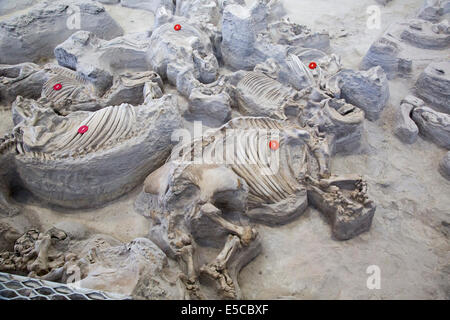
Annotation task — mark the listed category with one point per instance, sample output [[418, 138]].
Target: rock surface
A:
[[34, 35], [368, 90], [406, 129]]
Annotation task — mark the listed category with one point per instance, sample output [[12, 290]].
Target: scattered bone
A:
[[406, 129]]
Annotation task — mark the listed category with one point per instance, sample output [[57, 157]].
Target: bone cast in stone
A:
[[98, 59], [248, 39], [205, 11], [406, 129], [173, 52], [433, 125], [25, 79], [368, 90], [433, 85], [414, 116], [341, 122], [259, 95], [78, 92], [61, 166], [191, 202], [129, 268], [96, 262], [34, 35], [36, 253]]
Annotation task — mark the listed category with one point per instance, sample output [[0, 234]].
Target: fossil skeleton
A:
[[190, 206]]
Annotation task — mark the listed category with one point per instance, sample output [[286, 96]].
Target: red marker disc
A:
[[177, 27], [274, 145], [57, 87], [313, 65], [83, 129]]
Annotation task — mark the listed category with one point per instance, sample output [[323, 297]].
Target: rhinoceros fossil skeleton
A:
[[190, 201]]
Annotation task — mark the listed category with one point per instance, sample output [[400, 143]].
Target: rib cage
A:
[[107, 127], [263, 188], [264, 88], [264, 92], [74, 86]]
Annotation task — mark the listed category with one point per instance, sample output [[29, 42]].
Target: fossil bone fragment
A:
[[76, 92], [35, 253], [259, 95], [406, 129], [368, 90], [340, 121], [248, 39], [191, 199], [288, 33], [172, 52], [205, 11], [433, 125], [97, 59], [433, 85]]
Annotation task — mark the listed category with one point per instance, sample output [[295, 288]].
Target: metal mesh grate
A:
[[14, 287]]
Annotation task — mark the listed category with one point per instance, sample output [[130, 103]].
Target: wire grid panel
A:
[[14, 287]]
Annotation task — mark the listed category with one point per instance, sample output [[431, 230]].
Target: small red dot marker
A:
[[57, 87], [274, 145], [177, 27], [83, 129], [313, 65]]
